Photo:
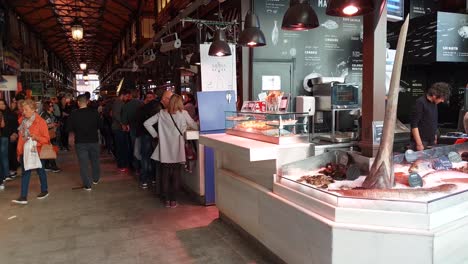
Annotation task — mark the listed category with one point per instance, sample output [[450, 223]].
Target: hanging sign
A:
[[36, 88], [8, 82], [218, 73]]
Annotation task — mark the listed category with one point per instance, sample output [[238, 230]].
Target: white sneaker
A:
[[2, 187]]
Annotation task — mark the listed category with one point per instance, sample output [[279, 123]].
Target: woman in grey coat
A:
[[172, 123]]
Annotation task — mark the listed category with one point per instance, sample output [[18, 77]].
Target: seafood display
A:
[[421, 176], [323, 177], [335, 170], [321, 181]]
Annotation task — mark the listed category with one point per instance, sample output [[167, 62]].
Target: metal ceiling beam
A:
[[34, 9], [115, 14], [124, 4], [42, 21], [112, 24]]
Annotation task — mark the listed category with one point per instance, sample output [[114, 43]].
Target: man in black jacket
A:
[[85, 122], [424, 119]]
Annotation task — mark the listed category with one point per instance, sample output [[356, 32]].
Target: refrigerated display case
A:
[[273, 127]]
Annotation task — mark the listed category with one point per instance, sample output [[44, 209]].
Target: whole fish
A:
[[403, 194]]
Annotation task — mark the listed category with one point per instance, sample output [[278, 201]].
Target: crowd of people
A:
[[145, 137]]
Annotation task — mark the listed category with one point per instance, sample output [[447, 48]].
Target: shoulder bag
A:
[[190, 153]]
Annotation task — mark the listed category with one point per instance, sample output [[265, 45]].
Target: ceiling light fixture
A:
[[83, 66], [299, 16], [219, 47], [77, 27], [252, 36], [77, 30], [343, 8]]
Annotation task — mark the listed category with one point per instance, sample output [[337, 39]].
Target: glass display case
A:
[[273, 127]]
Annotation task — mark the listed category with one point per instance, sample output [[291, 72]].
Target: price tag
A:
[[410, 155], [454, 157], [352, 173], [442, 163], [414, 180]]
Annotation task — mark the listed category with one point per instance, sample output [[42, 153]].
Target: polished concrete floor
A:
[[114, 223]]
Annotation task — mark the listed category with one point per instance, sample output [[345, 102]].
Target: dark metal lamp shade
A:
[[219, 47], [299, 16], [252, 36], [346, 8]]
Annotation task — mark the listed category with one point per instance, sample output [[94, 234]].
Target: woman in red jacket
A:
[[34, 127]]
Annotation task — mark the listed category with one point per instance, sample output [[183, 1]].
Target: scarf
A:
[[25, 124]]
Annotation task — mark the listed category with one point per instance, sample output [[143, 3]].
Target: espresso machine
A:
[[333, 98]]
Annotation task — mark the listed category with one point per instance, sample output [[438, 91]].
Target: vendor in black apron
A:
[[424, 118]]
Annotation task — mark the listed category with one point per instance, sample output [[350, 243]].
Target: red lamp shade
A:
[[346, 8]]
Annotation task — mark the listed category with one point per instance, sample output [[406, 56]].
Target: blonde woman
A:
[[34, 127], [172, 123]]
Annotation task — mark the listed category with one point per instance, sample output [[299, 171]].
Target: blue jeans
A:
[[88, 153], [27, 176], [147, 172], [4, 161], [122, 147]]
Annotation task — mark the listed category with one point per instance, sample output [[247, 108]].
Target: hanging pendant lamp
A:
[[252, 36], [77, 30], [299, 16], [83, 66], [219, 47], [346, 8]]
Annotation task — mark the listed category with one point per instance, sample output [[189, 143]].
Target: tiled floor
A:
[[114, 223]]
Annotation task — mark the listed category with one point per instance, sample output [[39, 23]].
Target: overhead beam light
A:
[[344, 8], [170, 42], [299, 16], [83, 66]]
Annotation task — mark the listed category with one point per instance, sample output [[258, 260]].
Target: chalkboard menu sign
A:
[[422, 7], [452, 37], [334, 49]]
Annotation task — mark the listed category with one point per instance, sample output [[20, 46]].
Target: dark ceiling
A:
[[103, 22]]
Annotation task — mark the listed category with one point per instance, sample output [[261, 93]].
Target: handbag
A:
[[190, 153], [47, 152], [52, 133]]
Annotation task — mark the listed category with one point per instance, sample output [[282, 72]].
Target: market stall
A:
[[303, 223]]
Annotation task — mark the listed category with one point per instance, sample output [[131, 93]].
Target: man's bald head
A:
[[166, 97]]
